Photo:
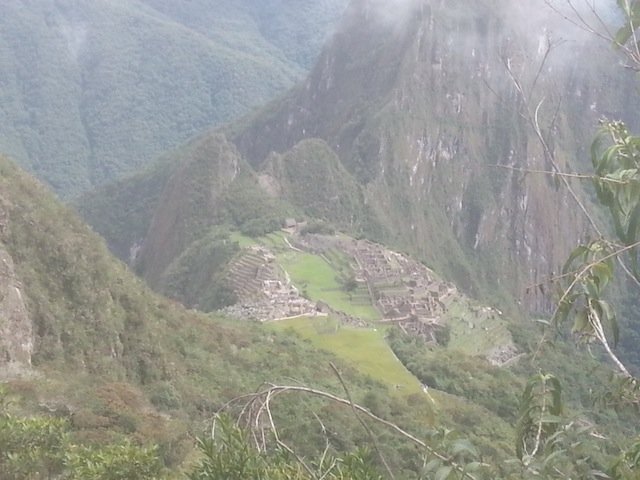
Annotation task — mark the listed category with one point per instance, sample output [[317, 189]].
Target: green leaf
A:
[[581, 250], [443, 473], [615, 330], [603, 273], [433, 465], [581, 323], [550, 419], [473, 467], [464, 445], [548, 460]]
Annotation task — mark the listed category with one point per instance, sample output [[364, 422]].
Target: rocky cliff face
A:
[[16, 327], [422, 110]]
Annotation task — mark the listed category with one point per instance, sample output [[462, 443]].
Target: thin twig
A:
[[595, 322], [580, 176], [362, 422], [274, 390], [578, 277]]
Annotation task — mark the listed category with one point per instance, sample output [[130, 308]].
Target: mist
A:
[[561, 20], [565, 20], [391, 13]]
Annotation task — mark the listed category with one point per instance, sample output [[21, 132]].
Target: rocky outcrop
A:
[[16, 328]]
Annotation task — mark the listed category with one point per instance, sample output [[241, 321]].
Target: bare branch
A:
[[568, 175], [255, 405], [362, 422], [595, 322], [543, 409]]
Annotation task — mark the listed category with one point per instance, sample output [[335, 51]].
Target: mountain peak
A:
[[429, 103]]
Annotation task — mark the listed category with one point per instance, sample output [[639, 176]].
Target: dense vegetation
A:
[[123, 377], [115, 361], [93, 90]]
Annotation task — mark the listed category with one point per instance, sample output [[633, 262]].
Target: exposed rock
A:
[[16, 327], [499, 356], [269, 184], [264, 290]]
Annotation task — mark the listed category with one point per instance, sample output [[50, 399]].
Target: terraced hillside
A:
[[345, 294]]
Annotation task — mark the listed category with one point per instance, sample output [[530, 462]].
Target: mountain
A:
[[92, 90], [421, 111], [389, 139], [412, 129], [84, 340]]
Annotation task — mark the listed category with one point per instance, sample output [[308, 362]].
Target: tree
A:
[[32, 448], [39, 447]]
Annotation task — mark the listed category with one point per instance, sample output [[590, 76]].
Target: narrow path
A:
[[286, 240]]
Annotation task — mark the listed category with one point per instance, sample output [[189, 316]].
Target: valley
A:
[[318, 240]]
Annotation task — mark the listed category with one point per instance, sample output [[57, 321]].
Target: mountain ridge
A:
[[429, 135], [122, 82]]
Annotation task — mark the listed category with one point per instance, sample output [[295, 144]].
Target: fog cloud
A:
[[391, 13], [565, 20], [75, 37]]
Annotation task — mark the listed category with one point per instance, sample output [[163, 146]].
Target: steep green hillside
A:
[[83, 338], [311, 176], [121, 82]]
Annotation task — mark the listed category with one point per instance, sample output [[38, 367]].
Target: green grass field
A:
[[275, 241], [317, 277], [243, 241], [320, 281], [363, 348]]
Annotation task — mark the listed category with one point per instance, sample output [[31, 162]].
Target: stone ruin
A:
[[265, 290], [500, 356], [402, 290]]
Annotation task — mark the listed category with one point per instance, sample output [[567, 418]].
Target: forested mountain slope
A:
[[92, 90], [411, 129], [84, 340]]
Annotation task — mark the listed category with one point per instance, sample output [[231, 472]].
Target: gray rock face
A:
[[16, 327]]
